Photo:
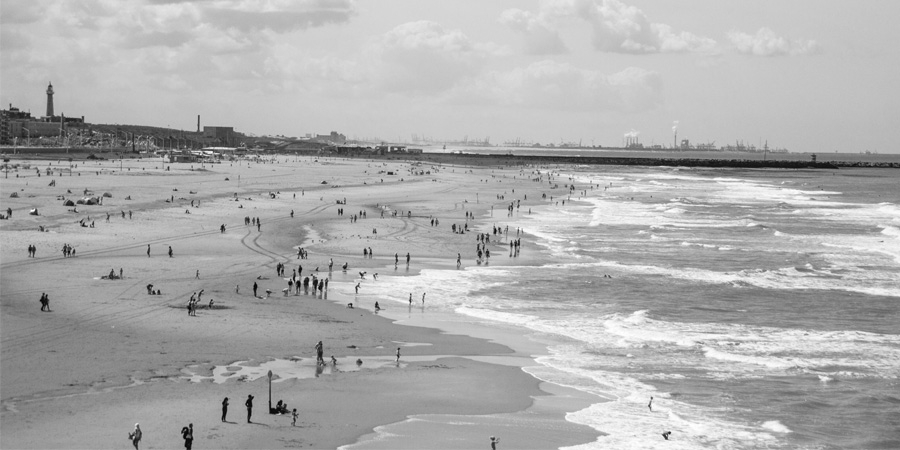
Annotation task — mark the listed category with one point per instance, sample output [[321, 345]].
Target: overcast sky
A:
[[808, 75]]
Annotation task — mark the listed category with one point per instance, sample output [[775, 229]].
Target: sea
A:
[[759, 308]]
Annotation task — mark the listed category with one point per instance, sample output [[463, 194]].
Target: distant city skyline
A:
[[806, 75]]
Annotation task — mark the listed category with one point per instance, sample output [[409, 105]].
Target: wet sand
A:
[[110, 355]]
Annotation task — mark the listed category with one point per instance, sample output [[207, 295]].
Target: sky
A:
[[806, 75]]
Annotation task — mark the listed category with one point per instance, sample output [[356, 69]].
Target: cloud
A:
[[422, 56], [767, 43], [540, 37], [210, 43], [562, 86], [616, 28]]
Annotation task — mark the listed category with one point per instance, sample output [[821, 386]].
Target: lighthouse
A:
[[50, 100]]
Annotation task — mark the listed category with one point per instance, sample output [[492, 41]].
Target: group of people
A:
[[67, 250], [45, 302], [195, 300], [32, 249]]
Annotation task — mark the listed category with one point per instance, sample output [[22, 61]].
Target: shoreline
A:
[[92, 314]]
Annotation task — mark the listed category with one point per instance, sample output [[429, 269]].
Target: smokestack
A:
[[198, 123], [675, 130]]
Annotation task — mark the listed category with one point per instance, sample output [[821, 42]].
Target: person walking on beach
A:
[[136, 435], [188, 434], [319, 350], [249, 405], [407, 260], [650, 405], [170, 251], [225, 409], [398, 354], [458, 260], [45, 302], [294, 416], [148, 250], [494, 442], [254, 289]]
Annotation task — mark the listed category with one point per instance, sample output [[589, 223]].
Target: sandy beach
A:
[[110, 355]]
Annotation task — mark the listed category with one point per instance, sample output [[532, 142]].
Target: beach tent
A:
[[107, 195], [89, 201], [68, 203], [14, 195]]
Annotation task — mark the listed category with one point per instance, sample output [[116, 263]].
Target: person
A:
[[458, 260], [319, 349], [45, 302], [225, 409], [398, 354], [148, 250], [188, 434], [136, 435], [279, 407], [333, 362], [666, 435], [494, 442], [407, 259], [197, 276], [170, 251], [650, 405], [377, 308], [294, 418], [254, 289], [410, 298], [249, 405], [357, 288]]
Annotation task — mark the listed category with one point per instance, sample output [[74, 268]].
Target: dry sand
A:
[[110, 355]]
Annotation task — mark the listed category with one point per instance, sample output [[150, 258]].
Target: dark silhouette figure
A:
[[249, 405], [225, 409], [188, 434]]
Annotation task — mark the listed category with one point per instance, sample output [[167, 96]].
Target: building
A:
[[333, 138], [220, 135], [11, 124]]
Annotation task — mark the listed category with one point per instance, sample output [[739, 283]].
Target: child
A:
[[294, 418]]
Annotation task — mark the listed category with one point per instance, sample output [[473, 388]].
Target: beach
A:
[[110, 355], [757, 308]]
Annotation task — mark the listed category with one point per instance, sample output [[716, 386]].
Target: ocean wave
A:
[[776, 426]]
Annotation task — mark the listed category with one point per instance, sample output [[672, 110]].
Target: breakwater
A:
[[669, 162]]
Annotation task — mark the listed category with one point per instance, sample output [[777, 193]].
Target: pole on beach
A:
[[270, 392]]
